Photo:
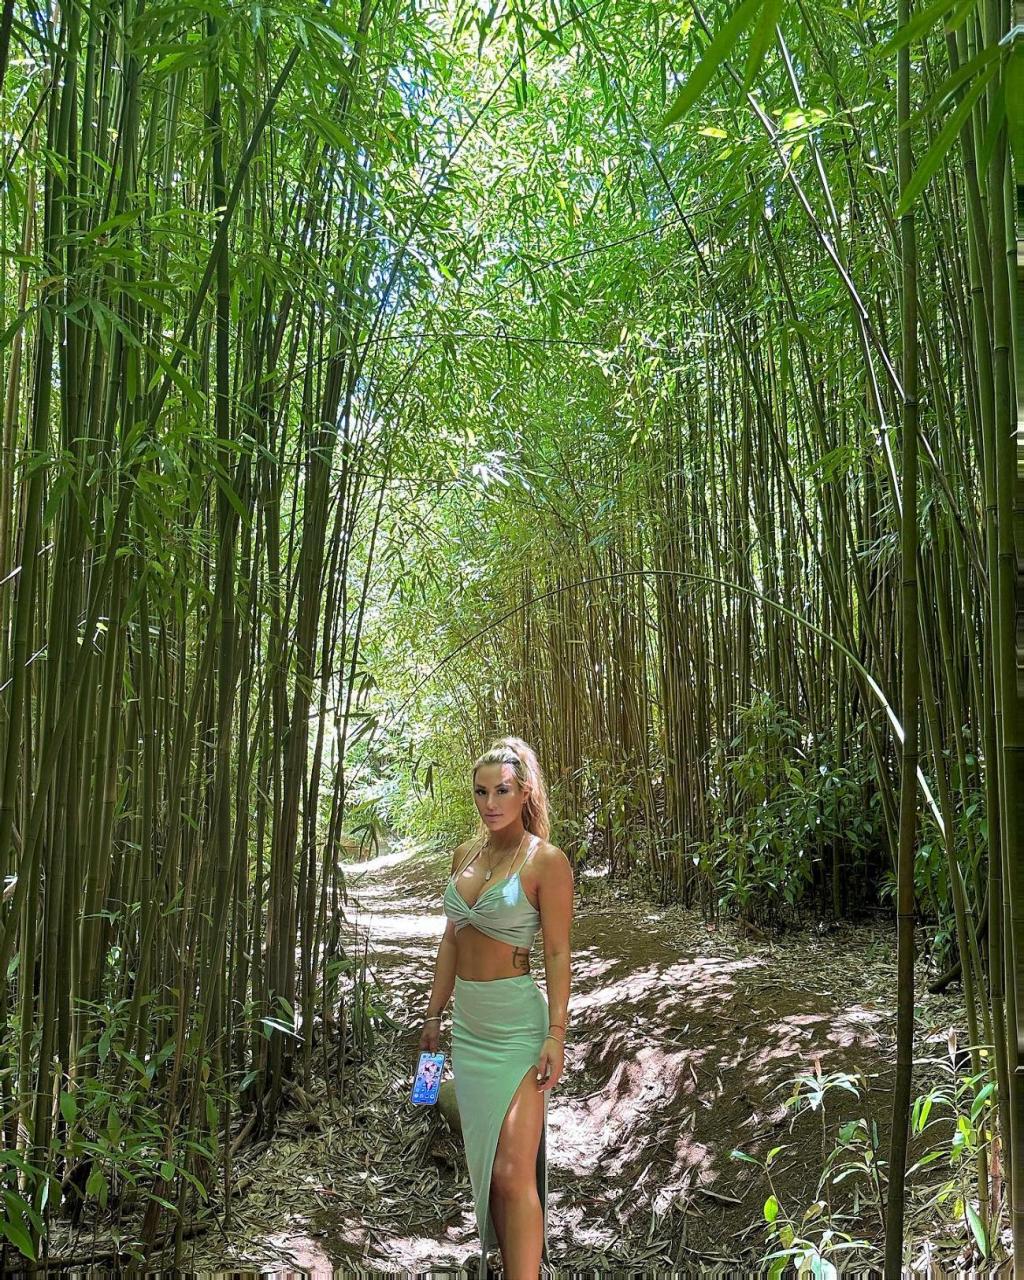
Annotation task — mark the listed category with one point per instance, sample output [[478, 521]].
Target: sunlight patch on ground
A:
[[803, 1034], [389, 930], [609, 1129], [587, 1230], [303, 1253], [403, 851], [695, 985]]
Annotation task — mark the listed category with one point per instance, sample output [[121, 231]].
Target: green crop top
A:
[[508, 915]]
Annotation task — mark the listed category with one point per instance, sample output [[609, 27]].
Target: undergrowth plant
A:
[[814, 1238], [784, 809], [809, 1238]]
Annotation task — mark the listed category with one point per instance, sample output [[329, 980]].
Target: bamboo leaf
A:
[[987, 145], [1013, 101], [714, 56], [15, 325], [953, 82], [937, 151], [923, 21], [977, 1228], [761, 39], [19, 1237], [979, 1102]]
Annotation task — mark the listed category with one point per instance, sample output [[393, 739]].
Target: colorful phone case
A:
[[427, 1083]]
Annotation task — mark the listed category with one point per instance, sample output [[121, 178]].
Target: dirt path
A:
[[683, 1045]]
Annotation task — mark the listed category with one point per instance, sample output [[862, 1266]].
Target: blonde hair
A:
[[523, 759]]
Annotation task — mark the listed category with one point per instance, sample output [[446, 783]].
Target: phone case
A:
[[426, 1085]]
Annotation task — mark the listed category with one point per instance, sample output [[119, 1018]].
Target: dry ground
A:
[[683, 1045]]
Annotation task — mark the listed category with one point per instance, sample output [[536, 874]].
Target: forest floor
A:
[[685, 1043]]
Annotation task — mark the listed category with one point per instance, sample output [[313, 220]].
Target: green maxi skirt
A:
[[498, 1030]]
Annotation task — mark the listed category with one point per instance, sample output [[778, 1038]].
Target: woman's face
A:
[[499, 797]]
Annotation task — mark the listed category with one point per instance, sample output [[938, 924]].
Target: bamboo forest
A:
[[638, 380]]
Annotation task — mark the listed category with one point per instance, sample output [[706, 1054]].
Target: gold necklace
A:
[[487, 845]]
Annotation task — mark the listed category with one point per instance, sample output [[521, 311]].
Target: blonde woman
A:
[[507, 883]]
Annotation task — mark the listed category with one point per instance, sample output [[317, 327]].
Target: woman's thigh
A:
[[516, 1154]]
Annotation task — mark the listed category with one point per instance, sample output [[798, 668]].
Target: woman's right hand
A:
[[429, 1036]]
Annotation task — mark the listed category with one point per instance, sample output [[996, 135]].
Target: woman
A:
[[507, 1040]]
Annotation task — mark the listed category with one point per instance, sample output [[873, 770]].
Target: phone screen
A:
[[427, 1082]]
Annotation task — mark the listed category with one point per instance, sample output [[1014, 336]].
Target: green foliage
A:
[[959, 1118], [568, 344], [781, 809], [767, 12], [815, 1240]]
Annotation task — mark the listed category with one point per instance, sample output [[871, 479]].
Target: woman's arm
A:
[[554, 897]]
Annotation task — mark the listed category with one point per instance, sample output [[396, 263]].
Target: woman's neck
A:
[[507, 839]]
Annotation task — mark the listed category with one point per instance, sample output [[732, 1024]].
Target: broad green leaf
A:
[[930, 1158], [15, 325], [19, 1237], [937, 151], [977, 1228], [979, 1102], [229, 492], [715, 54], [771, 1209], [993, 129]]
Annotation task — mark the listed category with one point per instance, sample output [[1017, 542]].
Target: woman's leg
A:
[[515, 1203]]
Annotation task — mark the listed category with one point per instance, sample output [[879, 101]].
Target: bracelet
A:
[[556, 1024], [559, 1039], [435, 1017]]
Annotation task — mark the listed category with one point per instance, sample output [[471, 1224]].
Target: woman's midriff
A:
[[479, 958]]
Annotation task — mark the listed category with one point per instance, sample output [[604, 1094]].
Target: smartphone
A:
[[427, 1083]]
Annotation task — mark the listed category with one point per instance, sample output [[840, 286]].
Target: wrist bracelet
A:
[[434, 1017]]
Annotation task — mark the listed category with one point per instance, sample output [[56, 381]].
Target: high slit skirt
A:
[[498, 1030]]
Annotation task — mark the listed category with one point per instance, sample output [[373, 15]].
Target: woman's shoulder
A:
[[461, 852], [547, 854]]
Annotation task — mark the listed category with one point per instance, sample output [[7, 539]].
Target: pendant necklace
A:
[[487, 845]]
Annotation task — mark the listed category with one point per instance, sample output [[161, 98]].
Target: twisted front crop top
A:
[[508, 916]]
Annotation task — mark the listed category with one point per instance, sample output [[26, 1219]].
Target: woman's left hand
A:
[[552, 1060]]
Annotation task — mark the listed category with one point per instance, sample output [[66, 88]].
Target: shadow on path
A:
[[683, 1045]]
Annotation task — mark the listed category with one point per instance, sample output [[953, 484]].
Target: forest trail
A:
[[683, 1044]]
